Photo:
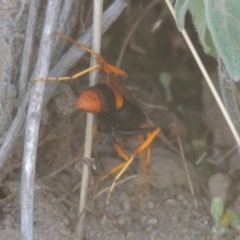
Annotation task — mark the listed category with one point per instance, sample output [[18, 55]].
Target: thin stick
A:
[[187, 172], [96, 46], [207, 78], [68, 60], [33, 121], [26, 63]]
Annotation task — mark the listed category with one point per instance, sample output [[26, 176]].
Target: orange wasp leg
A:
[[137, 151], [112, 171], [122, 154], [107, 68], [118, 167], [119, 149], [121, 165], [73, 77]]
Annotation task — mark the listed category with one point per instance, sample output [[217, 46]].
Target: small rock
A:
[[127, 205], [66, 221], [125, 200], [171, 201], [150, 205], [152, 221], [149, 230], [219, 185], [104, 219], [122, 220], [180, 197], [186, 203]]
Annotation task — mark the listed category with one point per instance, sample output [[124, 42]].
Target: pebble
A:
[[122, 220], [66, 221], [152, 221], [171, 201], [186, 203], [125, 200], [149, 230], [150, 205], [127, 205], [180, 197], [219, 185], [104, 219]]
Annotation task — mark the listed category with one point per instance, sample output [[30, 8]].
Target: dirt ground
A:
[[155, 207]]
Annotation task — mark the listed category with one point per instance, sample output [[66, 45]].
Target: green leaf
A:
[[197, 11], [165, 79], [223, 19], [234, 218], [181, 7], [217, 208]]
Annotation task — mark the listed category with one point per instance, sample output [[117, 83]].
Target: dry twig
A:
[[28, 47], [33, 120], [187, 173], [96, 46]]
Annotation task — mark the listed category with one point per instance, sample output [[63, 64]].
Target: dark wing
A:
[[115, 84]]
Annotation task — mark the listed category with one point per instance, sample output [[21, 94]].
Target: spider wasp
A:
[[117, 111]]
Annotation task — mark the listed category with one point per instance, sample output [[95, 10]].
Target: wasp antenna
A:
[[76, 43]]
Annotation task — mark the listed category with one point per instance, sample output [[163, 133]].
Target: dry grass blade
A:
[[207, 78], [187, 172], [33, 121], [96, 46]]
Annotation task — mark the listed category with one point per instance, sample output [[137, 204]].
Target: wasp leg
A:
[[102, 64], [137, 151], [118, 167], [119, 149], [105, 66], [111, 171], [75, 76]]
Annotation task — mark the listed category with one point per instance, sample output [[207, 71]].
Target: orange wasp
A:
[[118, 113]]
